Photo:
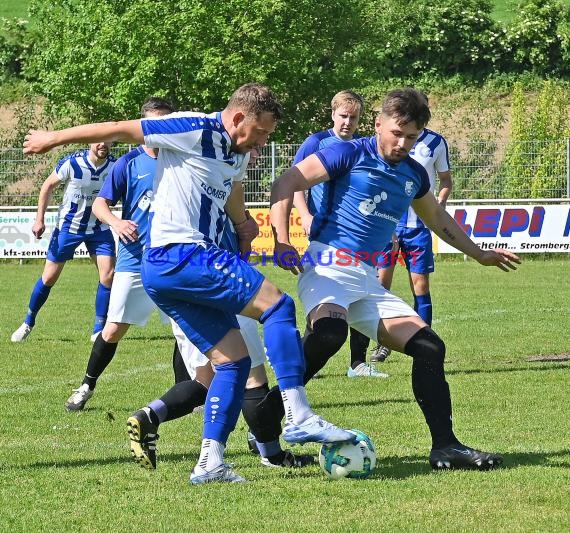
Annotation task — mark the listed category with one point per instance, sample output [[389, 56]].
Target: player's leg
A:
[[129, 304], [380, 353], [412, 336], [420, 264], [60, 250], [264, 427], [276, 312], [102, 250], [178, 401]]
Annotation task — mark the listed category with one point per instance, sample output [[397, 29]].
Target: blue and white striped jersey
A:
[[130, 182], [194, 177], [430, 151], [85, 181], [365, 196], [313, 143]]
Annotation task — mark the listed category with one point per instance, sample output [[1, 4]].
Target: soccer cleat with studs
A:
[[364, 370], [143, 436], [315, 429], [22, 333], [289, 460], [458, 456], [379, 354], [221, 474], [77, 401]]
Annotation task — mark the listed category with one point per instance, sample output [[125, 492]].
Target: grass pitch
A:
[[72, 471]]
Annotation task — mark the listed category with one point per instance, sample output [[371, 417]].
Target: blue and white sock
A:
[[224, 399]]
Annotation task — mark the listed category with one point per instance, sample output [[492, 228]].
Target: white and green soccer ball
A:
[[346, 459]]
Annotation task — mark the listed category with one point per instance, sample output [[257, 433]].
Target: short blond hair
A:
[[348, 99]]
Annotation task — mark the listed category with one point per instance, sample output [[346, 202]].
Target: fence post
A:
[[273, 162], [568, 167]]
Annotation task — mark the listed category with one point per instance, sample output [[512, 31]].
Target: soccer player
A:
[[347, 107], [201, 163], [193, 375], [85, 173], [370, 183], [414, 238], [130, 182]]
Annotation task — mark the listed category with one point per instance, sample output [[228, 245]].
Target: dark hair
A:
[[254, 99], [154, 103], [407, 105]]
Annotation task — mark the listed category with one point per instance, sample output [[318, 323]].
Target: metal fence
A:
[[481, 170]]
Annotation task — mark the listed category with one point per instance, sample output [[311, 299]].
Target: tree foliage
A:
[[104, 58]]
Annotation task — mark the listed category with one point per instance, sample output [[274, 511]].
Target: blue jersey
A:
[[84, 180], [312, 144], [131, 182], [365, 196], [431, 151]]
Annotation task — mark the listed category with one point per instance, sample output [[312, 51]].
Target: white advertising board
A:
[[519, 228]]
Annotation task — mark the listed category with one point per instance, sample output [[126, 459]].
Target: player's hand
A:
[[38, 142], [288, 258], [502, 259], [126, 230], [248, 229], [38, 229], [306, 222]]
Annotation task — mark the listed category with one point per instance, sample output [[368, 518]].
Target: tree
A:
[[100, 60]]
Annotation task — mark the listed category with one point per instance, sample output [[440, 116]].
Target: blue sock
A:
[[224, 399], [423, 307], [39, 295], [101, 307], [283, 343]]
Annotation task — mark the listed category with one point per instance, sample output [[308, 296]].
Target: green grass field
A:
[[72, 471]]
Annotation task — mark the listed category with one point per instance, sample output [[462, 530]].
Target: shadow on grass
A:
[[498, 370], [360, 402], [391, 467]]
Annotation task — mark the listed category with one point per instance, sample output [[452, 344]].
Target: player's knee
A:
[[425, 344], [328, 335], [284, 308]]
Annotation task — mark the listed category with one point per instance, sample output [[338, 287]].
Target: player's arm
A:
[[445, 187], [40, 141], [126, 230], [445, 227], [245, 226], [44, 198], [301, 177], [300, 203]]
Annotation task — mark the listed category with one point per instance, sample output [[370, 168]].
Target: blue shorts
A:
[[63, 244], [416, 250], [201, 287]]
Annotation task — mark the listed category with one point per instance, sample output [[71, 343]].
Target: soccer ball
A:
[[346, 459]]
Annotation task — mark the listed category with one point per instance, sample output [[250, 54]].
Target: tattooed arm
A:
[[445, 227]]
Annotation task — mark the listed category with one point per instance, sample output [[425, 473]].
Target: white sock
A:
[[211, 455], [297, 408]]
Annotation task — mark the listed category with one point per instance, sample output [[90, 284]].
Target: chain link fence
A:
[[480, 170]]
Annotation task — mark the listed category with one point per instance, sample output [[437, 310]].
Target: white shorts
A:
[[129, 303], [194, 358], [355, 288]]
